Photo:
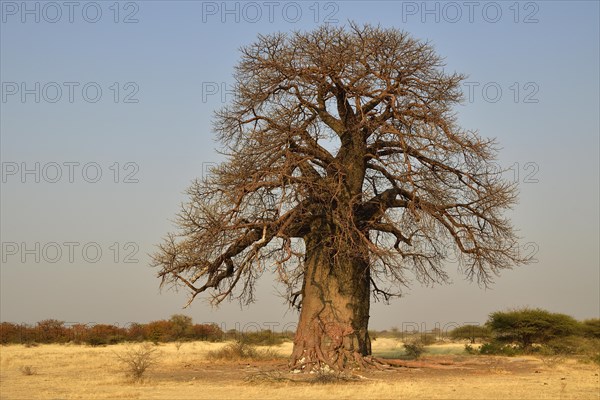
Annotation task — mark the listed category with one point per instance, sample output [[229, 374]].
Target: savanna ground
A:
[[186, 371]]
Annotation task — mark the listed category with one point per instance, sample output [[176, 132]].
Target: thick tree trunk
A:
[[333, 329]]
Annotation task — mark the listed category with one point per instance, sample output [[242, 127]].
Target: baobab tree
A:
[[346, 173]]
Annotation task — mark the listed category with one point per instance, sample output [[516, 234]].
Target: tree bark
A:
[[332, 331]]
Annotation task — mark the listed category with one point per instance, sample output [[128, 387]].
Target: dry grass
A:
[[79, 372]]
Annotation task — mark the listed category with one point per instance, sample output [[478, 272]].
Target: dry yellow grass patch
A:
[[80, 372]]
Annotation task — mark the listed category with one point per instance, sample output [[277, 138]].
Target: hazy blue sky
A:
[[162, 69]]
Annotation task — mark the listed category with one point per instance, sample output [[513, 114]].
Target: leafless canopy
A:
[[353, 125]]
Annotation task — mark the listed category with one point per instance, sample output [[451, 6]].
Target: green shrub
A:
[[471, 333], [584, 348], [427, 339], [414, 349], [591, 328], [528, 326], [571, 345]]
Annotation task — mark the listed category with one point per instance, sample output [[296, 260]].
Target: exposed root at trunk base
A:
[[359, 362], [339, 362], [394, 363]]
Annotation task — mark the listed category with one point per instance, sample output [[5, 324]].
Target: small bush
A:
[[414, 349], [587, 348], [262, 338], [470, 349], [138, 360], [427, 339], [241, 350], [95, 341], [550, 357], [497, 348], [572, 345], [395, 332], [238, 350], [28, 370], [115, 339]]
